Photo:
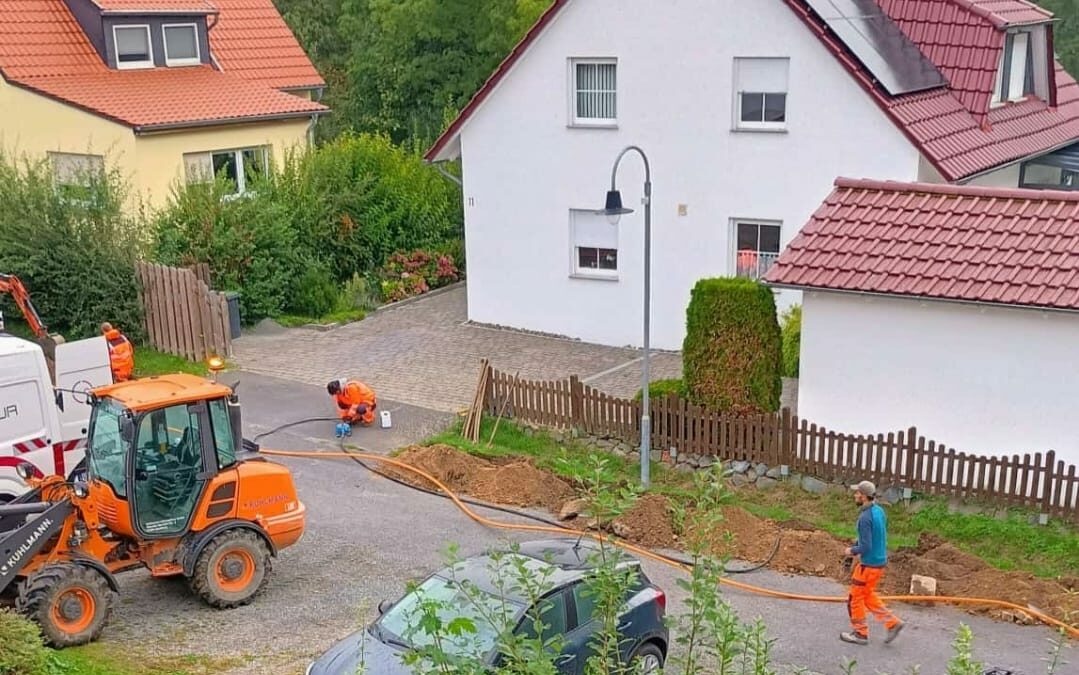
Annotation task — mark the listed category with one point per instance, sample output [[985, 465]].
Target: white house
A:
[[955, 309], [748, 109]]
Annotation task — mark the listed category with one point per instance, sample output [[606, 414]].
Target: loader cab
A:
[[155, 445]]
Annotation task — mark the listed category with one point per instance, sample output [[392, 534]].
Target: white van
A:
[[44, 422]]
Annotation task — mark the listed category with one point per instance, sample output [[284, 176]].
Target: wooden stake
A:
[[505, 402]]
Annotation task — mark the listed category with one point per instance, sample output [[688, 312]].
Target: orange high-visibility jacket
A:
[[351, 397], [121, 355]]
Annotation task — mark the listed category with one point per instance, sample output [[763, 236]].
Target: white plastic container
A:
[[386, 421]]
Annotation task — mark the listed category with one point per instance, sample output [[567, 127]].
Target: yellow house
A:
[[164, 90]]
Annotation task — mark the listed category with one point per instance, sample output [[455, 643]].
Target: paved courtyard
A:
[[427, 354]]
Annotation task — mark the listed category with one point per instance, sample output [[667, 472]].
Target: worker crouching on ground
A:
[[121, 353], [871, 552], [355, 401]]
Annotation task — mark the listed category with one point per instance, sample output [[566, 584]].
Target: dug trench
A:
[[742, 536]]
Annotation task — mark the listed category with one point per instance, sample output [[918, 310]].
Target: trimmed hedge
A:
[[732, 353]]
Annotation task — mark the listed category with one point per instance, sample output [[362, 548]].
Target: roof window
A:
[[181, 44], [1023, 68], [133, 48]]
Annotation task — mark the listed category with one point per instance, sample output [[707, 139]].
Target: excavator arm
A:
[[10, 284]]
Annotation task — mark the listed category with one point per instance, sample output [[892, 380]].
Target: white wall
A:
[[979, 379], [524, 169]]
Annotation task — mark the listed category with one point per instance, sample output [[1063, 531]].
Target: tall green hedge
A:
[[792, 341], [732, 354], [75, 251]]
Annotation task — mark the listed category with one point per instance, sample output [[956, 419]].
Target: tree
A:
[[1065, 32]]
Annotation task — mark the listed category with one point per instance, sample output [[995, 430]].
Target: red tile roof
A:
[[43, 48], [252, 40], [946, 242], [158, 97], [953, 127], [188, 6]]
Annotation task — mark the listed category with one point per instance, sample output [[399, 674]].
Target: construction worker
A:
[[121, 353], [355, 401], [871, 557]]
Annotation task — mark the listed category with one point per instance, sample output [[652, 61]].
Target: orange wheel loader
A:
[[170, 485]]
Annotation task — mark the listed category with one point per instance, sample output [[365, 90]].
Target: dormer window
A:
[[133, 48], [1023, 67], [181, 44]]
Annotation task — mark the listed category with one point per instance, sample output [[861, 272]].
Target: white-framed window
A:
[[181, 44], [760, 93], [242, 167], [593, 92], [133, 48], [594, 245], [75, 174], [1015, 73], [756, 246]]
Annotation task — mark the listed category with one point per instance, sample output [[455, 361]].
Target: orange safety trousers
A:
[[863, 596]]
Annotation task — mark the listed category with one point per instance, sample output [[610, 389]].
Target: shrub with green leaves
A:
[[405, 275], [792, 341], [663, 389], [21, 649], [732, 355], [74, 250], [314, 293]]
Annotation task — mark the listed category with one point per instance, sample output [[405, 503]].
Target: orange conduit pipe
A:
[[1071, 631]]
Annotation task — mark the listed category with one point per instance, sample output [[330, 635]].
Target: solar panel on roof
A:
[[880, 45]]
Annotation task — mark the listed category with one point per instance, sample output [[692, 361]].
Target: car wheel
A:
[[647, 658]]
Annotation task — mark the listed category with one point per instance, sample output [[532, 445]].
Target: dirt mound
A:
[[517, 482], [648, 523], [520, 484]]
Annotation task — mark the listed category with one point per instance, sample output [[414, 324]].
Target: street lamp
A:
[[614, 211]]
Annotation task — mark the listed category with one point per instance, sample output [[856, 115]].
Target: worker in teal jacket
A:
[[871, 554]]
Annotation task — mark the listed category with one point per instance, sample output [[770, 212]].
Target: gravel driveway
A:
[[366, 537]]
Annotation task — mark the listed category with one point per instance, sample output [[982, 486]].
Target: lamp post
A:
[[614, 212]]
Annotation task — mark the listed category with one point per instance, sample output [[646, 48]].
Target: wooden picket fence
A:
[[901, 459], [184, 316]]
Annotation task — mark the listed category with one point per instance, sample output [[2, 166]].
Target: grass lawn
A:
[[340, 316], [101, 659], [1008, 544], [150, 362]]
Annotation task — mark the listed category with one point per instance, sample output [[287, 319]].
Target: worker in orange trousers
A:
[[355, 401], [121, 353], [871, 552]]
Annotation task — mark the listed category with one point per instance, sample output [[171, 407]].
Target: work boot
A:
[[854, 638], [893, 632]]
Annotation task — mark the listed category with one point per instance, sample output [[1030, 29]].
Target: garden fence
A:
[[184, 316]]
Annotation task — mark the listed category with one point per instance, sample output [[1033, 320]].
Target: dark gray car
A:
[[566, 610]]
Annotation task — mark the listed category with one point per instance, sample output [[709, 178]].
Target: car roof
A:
[[560, 561]]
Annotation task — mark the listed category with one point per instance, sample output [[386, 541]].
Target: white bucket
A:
[[386, 421]]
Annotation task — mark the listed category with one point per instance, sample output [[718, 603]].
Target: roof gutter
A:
[[924, 298], [173, 126], [161, 12], [447, 174]]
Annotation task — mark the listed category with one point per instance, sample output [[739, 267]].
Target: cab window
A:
[[224, 444], [168, 467], [106, 448]]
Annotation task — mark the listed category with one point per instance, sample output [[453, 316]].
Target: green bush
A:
[[21, 650], [249, 242], [732, 353], [314, 293], [406, 275], [792, 340], [350, 204], [663, 389], [74, 250]]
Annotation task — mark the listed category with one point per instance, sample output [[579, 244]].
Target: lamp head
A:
[[614, 209]]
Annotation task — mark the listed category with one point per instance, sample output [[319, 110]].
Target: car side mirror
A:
[[60, 400], [384, 606]]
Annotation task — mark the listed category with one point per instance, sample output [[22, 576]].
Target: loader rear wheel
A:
[[70, 602], [232, 569]]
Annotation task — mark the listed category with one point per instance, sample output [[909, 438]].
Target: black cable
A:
[[289, 425]]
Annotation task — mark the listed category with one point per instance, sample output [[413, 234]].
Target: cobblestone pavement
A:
[[427, 354]]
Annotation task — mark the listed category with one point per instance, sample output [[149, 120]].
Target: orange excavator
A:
[[10, 285], [170, 485]]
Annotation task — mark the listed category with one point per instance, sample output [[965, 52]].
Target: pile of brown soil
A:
[[648, 523], [514, 482]]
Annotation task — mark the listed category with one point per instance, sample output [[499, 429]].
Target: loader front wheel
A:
[[232, 569], [70, 603]]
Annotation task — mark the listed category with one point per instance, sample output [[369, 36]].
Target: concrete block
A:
[[922, 585]]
